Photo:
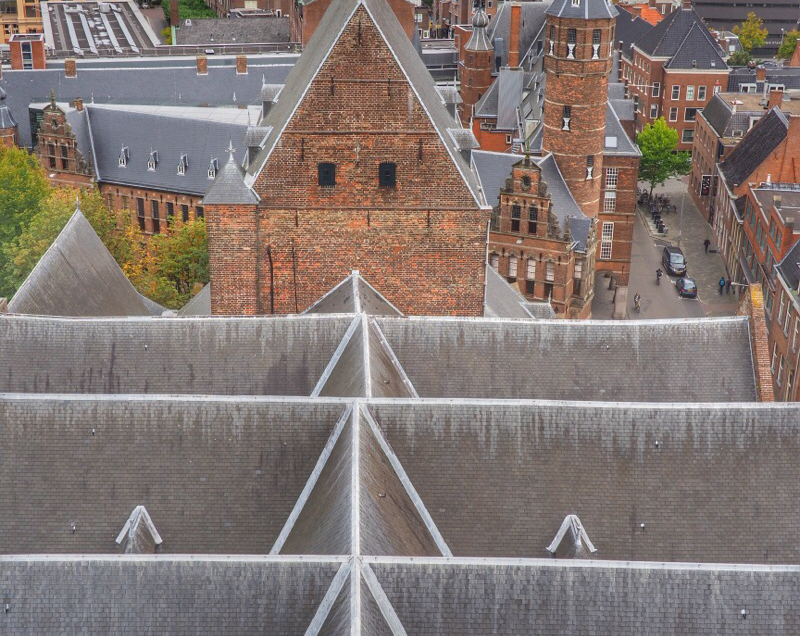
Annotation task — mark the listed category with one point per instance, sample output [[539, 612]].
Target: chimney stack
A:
[[241, 65], [775, 99], [70, 68], [174, 15], [761, 73], [78, 104], [687, 4], [513, 35], [202, 65]]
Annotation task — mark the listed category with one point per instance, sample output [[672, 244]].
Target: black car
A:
[[686, 287], [673, 261]]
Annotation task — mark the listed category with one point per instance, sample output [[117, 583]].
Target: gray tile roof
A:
[[78, 276], [199, 305], [228, 187], [122, 81], [759, 142], [586, 9], [509, 97], [629, 29], [617, 140], [697, 51], [682, 35], [532, 19], [234, 30], [718, 113], [354, 295], [789, 268], [337, 16], [487, 104], [588, 355], [501, 299]]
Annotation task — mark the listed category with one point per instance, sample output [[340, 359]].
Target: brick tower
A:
[[577, 63], [476, 68], [8, 127]]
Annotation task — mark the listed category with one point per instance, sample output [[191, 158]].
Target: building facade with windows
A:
[[672, 71], [784, 328]]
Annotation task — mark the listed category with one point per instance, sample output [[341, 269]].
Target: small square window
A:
[[327, 174], [387, 175]]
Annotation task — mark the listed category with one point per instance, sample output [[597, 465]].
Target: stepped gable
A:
[[77, 276], [649, 482], [161, 595], [553, 597], [206, 356], [216, 475], [596, 360], [393, 520], [321, 520], [305, 72]]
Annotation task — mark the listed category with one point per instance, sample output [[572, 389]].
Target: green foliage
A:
[[751, 32], [739, 58], [190, 9], [23, 186], [788, 45], [24, 251], [660, 161], [167, 34]]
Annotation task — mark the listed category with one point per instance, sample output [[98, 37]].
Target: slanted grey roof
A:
[[337, 16], [718, 113], [199, 305], [77, 276], [542, 310], [354, 295], [617, 140], [682, 35], [6, 119], [587, 9], [229, 186], [698, 50], [450, 94], [759, 142], [623, 108], [707, 360], [234, 31], [487, 104], [532, 19], [789, 268], [509, 97], [170, 136], [501, 299], [629, 29]]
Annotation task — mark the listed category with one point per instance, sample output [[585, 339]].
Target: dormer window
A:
[[183, 163], [124, 155], [576, 3], [212, 169], [566, 118], [572, 40], [596, 34], [589, 167], [152, 162]]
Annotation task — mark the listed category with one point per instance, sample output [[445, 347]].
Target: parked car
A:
[[673, 260], [686, 287]]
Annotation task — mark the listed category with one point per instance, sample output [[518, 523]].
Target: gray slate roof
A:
[[532, 19], [759, 142], [586, 9], [337, 16], [629, 29], [77, 276], [199, 305], [789, 268], [229, 187], [121, 81], [234, 30], [509, 97], [697, 51], [614, 131], [354, 295], [681, 35], [501, 300]]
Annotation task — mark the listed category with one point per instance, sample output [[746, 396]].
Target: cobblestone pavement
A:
[[687, 231]]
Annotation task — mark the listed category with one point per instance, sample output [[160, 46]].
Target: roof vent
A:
[[571, 541], [139, 534], [213, 166], [124, 155], [183, 163], [152, 162]]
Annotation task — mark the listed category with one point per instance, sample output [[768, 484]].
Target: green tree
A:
[[24, 251], [660, 160], [739, 58], [751, 32], [23, 186], [788, 45]]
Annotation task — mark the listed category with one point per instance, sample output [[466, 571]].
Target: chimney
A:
[[78, 104], [202, 65], [513, 35], [769, 178], [70, 68], [174, 15], [241, 65], [634, 9], [761, 73], [775, 99], [687, 4]]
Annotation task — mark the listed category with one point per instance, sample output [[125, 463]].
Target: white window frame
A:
[[780, 307], [494, 261], [578, 272], [676, 92], [607, 240], [794, 335], [779, 377], [701, 93], [690, 93], [550, 272], [530, 269], [656, 89], [787, 321], [512, 265], [654, 111], [610, 201], [612, 178], [683, 135], [774, 358], [673, 111]]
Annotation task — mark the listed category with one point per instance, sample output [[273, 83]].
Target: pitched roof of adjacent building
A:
[[629, 29], [532, 19], [229, 187], [587, 9], [78, 276], [766, 135], [325, 37], [233, 30], [617, 141], [682, 36], [789, 268]]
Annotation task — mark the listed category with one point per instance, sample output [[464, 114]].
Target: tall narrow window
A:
[[533, 219], [596, 44], [512, 268], [199, 212], [387, 174], [552, 38], [656, 89], [64, 158], [140, 213], [550, 272], [566, 118], [155, 216], [676, 91], [494, 261], [184, 212], [689, 93], [170, 213], [572, 39], [576, 278], [606, 239], [701, 93], [590, 167], [326, 174], [516, 213], [612, 174], [530, 269]]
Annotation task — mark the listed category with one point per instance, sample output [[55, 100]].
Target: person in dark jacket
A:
[[721, 284], [706, 243]]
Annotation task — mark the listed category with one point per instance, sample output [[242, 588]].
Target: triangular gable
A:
[[325, 38], [571, 540], [139, 534]]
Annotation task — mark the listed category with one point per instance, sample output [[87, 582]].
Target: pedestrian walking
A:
[[721, 284], [706, 243], [728, 286]]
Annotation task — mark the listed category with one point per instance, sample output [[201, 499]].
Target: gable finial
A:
[[77, 203], [231, 150], [53, 97]]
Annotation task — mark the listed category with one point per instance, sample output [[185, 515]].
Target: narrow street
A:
[[687, 231]]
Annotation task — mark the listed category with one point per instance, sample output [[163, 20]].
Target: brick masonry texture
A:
[[215, 477], [421, 243], [180, 598], [499, 479], [267, 356]]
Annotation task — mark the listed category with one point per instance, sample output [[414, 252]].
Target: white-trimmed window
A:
[[578, 270], [673, 114], [606, 239], [494, 261], [717, 89], [779, 377], [687, 136], [701, 93], [566, 117], [676, 92], [656, 89], [781, 306], [530, 269], [610, 201], [550, 272], [653, 111], [689, 93], [794, 335], [787, 321], [512, 266], [612, 174], [572, 40], [774, 358], [590, 167]]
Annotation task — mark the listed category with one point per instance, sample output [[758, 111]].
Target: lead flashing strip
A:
[[375, 588], [312, 481], [326, 374], [329, 599], [395, 362], [409, 487]]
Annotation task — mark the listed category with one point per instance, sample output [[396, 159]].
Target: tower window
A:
[[566, 118], [516, 213], [327, 174], [387, 174], [533, 218], [596, 44], [552, 38], [589, 166], [572, 39]]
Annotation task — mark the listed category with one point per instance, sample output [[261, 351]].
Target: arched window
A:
[[512, 266], [494, 261]]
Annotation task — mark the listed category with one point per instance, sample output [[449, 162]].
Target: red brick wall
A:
[[494, 140], [233, 256], [313, 14], [753, 307], [623, 217], [685, 79], [422, 244], [475, 74]]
